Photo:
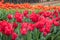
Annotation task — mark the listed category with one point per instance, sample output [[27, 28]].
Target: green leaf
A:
[[57, 38], [48, 36], [36, 34], [42, 37], [29, 36], [36, 11], [58, 34], [55, 30]]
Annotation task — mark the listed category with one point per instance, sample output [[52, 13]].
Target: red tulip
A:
[[40, 24], [51, 16], [8, 32], [31, 27], [23, 31], [46, 14], [24, 25], [48, 22], [56, 13], [10, 16], [44, 33], [34, 17], [41, 18], [40, 13], [47, 29], [56, 23], [14, 36], [41, 29], [25, 13], [6, 27], [15, 25], [19, 17]]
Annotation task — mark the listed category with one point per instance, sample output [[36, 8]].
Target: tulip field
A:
[[29, 22]]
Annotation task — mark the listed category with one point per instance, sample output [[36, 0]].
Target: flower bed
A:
[[27, 22], [27, 6]]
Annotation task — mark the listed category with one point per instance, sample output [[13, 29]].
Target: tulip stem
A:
[[4, 37], [24, 37], [35, 34], [52, 38], [29, 36]]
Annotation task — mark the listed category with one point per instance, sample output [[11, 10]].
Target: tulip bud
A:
[[9, 16], [25, 13]]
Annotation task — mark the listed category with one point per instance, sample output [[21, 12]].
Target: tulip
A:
[[44, 33], [14, 36], [25, 13], [10, 16], [41, 29], [40, 13], [23, 31], [18, 17], [6, 27], [56, 13], [15, 25], [34, 17], [31, 27], [39, 25], [46, 14], [24, 25], [56, 23]]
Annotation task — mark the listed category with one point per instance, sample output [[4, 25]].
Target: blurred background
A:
[[26, 1]]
